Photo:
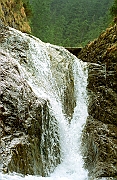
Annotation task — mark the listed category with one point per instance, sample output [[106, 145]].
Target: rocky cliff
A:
[[29, 129], [21, 117], [13, 14], [100, 132], [25, 116]]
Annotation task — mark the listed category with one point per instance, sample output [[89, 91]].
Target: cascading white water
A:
[[72, 166], [38, 74]]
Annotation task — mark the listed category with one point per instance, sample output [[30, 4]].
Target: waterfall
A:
[[71, 167], [58, 132]]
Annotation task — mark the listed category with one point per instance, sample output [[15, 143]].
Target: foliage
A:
[[69, 22], [113, 9]]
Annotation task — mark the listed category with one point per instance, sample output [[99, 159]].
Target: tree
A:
[[69, 22], [113, 9], [40, 21]]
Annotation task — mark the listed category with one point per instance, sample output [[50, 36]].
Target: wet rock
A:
[[100, 132], [61, 62], [18, 105], [29, 128], [21, 122]]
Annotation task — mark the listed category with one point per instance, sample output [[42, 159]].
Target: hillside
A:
[[65, 23], [69, 22], [13, 14]]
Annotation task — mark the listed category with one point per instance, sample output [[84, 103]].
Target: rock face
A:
[[29, 130], [61, 63], [21, 116], [100, 132], [21, 122], [13, 14], [21, 119]]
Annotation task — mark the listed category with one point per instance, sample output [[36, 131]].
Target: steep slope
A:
[[69, 22], [13, 14], [100, 132]]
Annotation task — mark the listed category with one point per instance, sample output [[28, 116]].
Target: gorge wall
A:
[[21, 111], [13, 14], [100, 132]]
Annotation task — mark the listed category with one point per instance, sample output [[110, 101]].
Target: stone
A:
[[26, 118], [100, 132], [21, 121]]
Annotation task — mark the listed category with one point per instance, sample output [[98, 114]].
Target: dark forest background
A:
[[69, 22]]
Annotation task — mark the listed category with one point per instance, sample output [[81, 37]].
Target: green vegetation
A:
[[113, 9], [69, 22]]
